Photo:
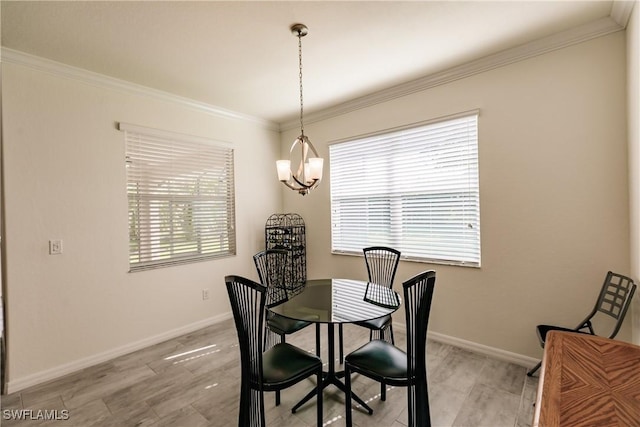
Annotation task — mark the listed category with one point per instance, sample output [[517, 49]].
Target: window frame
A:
[[395, 201], [176, 172]]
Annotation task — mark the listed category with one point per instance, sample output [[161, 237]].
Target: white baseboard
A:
[[496, 353], [68, 368]]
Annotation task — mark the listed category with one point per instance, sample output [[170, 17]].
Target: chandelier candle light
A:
[[309, 172]]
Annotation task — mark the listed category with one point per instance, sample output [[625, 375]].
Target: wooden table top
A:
[[588, 381]]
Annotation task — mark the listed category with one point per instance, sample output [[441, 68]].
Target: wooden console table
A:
[[588, 381]]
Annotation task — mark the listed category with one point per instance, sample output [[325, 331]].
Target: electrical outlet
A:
[[55, 247], [205, 294]]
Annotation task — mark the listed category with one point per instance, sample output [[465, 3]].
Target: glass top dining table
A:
[[337, 301]]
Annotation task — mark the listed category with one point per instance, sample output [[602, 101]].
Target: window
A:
[[414, 188], [181, 198]]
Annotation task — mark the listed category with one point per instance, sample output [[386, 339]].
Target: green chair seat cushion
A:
[[376, 324], [286, 364], [284, 325], [379, 359]]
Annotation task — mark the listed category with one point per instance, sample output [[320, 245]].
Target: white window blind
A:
[[415, 189], [181, 198]]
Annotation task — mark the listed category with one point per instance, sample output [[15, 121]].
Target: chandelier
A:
[[308, 172]]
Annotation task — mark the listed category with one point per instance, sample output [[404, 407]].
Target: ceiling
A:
[[241, 56]]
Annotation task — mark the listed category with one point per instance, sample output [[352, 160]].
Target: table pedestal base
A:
[[331, 376]]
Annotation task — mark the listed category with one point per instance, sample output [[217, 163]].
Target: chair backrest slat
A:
[[248, 305], [382, 264], [615, 294], [615, 299], [271, 265], [418, 294]]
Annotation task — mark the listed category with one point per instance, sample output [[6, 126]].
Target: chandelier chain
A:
[[300, 75], [308, 173]]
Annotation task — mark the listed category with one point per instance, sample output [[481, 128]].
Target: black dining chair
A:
[[382, 264], [387, 364], [612, 304], [280, 367], [271, 265]]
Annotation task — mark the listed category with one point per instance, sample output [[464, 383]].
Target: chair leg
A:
[[282, 339], [340, 347], [319, 397], [347, 395], [383, 391], [318, 339], [418, 411], [534, 369]]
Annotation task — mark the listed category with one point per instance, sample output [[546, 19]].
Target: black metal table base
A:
[[331, 376]]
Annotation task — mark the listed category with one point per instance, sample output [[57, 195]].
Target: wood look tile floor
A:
[[193, 381]]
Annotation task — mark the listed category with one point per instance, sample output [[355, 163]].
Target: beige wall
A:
[[553, 193], [554, 197], [633, 114], [64, 178]]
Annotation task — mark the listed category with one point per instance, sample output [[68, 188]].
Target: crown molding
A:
[[598, 28], [621, 11], [100, 80]]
